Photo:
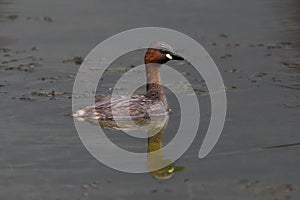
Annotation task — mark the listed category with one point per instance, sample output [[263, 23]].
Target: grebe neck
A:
[[154, 87]]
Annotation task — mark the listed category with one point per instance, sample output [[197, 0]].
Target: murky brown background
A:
[[255, 44]]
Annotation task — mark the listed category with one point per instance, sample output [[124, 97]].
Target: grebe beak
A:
[[174, 56]]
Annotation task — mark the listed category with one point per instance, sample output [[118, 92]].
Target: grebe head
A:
[[160, 53]]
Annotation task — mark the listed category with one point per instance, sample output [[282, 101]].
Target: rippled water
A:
[[255, 44]]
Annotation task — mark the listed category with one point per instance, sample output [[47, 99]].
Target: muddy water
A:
[[256, 47]]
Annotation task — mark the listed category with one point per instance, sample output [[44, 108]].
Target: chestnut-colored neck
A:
[[154, 87]]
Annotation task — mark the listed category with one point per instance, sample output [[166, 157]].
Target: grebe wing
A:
[[122, 107]]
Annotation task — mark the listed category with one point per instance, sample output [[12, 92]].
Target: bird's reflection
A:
[[158, 166], [155, 156]]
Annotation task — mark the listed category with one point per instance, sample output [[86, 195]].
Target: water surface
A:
[[255, 44]]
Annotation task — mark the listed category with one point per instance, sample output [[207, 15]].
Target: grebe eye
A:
[[169, 56], [171, 170]]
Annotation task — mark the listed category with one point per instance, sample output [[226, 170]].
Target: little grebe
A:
[[139, 106]]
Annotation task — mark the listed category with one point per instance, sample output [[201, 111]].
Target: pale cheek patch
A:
[[169, 56]]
